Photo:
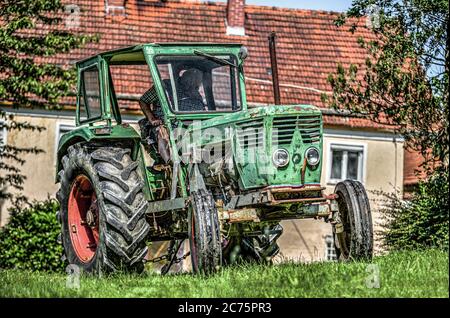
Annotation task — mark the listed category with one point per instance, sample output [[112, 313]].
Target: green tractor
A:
[[233, 174]]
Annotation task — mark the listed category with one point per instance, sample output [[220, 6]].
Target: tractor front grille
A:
[[284, 128], [251, 134]]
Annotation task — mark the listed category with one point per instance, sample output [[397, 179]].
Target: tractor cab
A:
[[198, 81]]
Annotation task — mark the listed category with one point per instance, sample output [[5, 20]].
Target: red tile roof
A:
[[309, 45], [355, 122]]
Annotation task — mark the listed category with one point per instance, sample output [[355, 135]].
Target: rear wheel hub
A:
[[83, 215]]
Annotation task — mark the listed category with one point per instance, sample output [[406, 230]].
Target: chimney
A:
[[235, 17]]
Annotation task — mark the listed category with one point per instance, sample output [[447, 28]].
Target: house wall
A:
[[39, 169], [302, 239]]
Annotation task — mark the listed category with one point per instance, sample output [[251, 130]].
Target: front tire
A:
[[102, 210], [353, 233], [204, 233]]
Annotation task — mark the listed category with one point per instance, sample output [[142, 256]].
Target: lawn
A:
[[401, 274]]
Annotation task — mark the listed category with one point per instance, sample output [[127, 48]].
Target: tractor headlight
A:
[[312, 156], [280, 158]]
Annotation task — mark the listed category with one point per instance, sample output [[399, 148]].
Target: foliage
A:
[[27, 79], [404, 81], [31, 32], [29, 240], [421, 222], [402, 274]]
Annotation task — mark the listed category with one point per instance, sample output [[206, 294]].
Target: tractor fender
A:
[[99, 134]]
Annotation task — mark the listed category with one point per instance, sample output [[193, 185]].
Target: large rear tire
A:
[[204, 233], [353, 233], [102, 214]]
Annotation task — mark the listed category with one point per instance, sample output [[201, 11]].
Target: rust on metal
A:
[[241, 215], [299, 200], [305, 188], [272, 192], [325, 211], [303, 171]]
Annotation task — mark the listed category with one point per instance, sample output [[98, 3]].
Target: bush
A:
[[29, 239], [421, 222]]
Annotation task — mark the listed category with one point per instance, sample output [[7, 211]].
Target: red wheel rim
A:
[[83, 218]]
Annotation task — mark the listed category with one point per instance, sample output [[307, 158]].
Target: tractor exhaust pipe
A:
[[274, 68]]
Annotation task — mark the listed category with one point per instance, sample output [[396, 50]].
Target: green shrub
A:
[[29, 239], [421, 222]]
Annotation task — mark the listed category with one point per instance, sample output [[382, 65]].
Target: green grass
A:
[[402, 274]]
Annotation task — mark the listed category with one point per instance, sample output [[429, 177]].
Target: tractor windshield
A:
[[200, 83]]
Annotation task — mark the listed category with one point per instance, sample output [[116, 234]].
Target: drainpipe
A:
[[274, 67]]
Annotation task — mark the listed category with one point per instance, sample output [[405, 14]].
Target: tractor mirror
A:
[[243, 53]]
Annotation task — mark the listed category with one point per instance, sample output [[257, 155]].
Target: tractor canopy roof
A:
[[135, 54]]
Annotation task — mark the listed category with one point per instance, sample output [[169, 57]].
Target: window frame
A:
[[82, 87], [237, 85], [347, 146]]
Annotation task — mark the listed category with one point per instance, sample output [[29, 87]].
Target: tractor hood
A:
[[266, 146], [260, 112]]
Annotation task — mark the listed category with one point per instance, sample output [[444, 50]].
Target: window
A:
[[90, 94], [2, 133], [222, 85], [199, 83], [129, 83], [330, 251], [347, 162]]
